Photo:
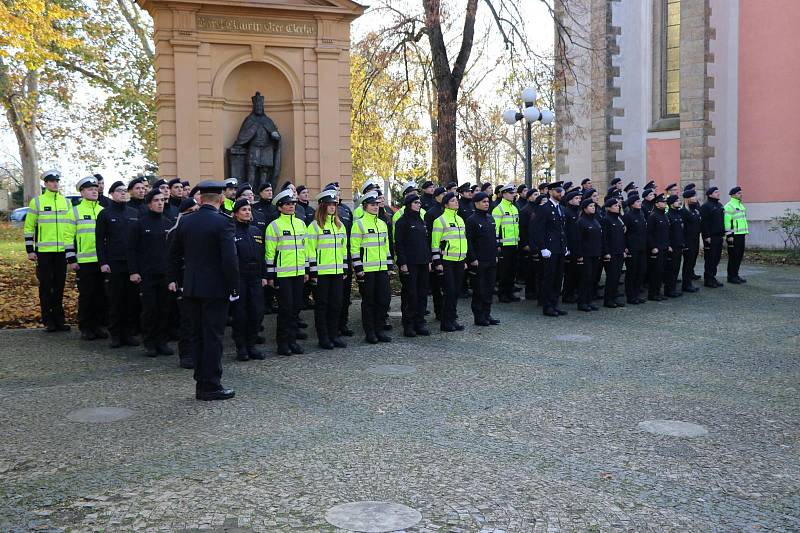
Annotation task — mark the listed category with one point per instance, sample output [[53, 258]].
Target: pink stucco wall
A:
[[663, 162], [769, 103]]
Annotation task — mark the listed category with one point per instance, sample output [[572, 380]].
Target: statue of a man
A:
[[260, 137]]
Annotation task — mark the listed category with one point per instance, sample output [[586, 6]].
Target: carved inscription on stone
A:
[[262, 26]]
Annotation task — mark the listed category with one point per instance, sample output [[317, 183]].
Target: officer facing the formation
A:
[[658, 244], [148, 264], [369, 249], [412, 247], [326, 249], [589, 245], [185, 351], [449, 251], [613, 251], [712, 228], [91, 287], [287, 269], [690, 215], [506, 218], [635, 248], [49, 234], [204, 244], [482, 253], [676, 245], [548, 236], [248, 310], [735, 222], [112, 229]]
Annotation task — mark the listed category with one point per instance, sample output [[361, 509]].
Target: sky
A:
[[540, 33]]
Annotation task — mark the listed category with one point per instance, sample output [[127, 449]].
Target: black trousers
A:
[[51, 270], [532, 267], [328, 305], [713, 253], [506, 271], [414, 295], [289, 293], [570, 292], [552, 275], [483, 291], [347, 287], [587, 284], [184, 330], [375, 299], [735, 255], [613, 268], [453, 276], [672, 269], [655, 272], [248, 310], [155, 309], [689, 260], [91, 297], [208, 317], [123, 304], [269, 298], [635, 268], [435, 282]]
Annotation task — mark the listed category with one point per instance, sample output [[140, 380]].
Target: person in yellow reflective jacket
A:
[[449, 253], [506, 219], [229, 196], [287, 269], [326, 249], [371, 258], [369, 185], [91, 282], [49, 233], [735, 221]]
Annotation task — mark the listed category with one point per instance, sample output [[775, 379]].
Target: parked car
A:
[[18, 215]]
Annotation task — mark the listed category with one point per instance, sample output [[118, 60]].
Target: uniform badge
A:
[[370, 231], [452, 225], [87, 217], [326, 232], [48, 208]]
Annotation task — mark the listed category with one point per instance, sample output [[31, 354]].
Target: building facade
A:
[[689, 91]]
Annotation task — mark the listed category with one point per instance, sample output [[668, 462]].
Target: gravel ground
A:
[[530, 426]]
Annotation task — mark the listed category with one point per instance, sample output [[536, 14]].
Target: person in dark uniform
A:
[[170, 211], [648, 197], [204, 243], [427, 188], [691, 236], [303, 209], [265, 212], [482, 253], [147, 265], [525, 270], [548, 236], [136, 191], [589, 243], [102, 199], [435, 280], [572, 209], [248, 310], [111, 232], [712, 228], [658, 247], [636, 249], [412, 247], [676, 245], [185, 352], [175, 193], [465, 205], [613, 251], [522, 196]]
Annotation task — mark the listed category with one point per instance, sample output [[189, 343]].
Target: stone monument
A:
[[255, 157]]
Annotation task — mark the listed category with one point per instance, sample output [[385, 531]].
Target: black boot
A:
[[241, 354], [254, 353]]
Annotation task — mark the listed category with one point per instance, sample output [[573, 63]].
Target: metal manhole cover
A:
[[787, 295], [673, 428], [391, 370], [100, 415], [573, 337], [373, 517]]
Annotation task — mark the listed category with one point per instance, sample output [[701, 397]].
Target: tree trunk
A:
[[446, 145], [24, 127]]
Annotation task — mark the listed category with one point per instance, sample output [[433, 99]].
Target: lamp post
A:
[[531, 114]]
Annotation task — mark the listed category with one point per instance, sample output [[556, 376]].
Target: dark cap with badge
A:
[[114, 186], [240, 203], [480, 196], [135, 181], [410, 199], [211, 187], [586, 203], [735, 190]]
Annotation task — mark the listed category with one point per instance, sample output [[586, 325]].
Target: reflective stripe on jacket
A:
[[449, 238], [506, 218], [326, 247], [85, 220], [284, 247], [49, 225], [735, 220], [369, 244]]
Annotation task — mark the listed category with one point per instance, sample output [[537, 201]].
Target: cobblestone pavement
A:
[[501, 429]]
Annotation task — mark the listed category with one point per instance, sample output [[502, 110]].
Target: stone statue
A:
[[257, 150]]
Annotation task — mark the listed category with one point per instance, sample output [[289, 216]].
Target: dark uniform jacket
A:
[[431, 215], [613, 234], [304, 212], [676, 238], [346, 216], [589, 241], [482, 242], [635, 230], [147, 244], [111, 232], [175, 202], [658, 231], [250, 250], [171, 212], [259, 221], [465, 208], [712, 216], [267, 210], [571, 226], [691, 224], [139, 205], [104, 201], [412, 242], [205, 242], [428, 201], [647, 208], [548, 229], [525, 215]]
